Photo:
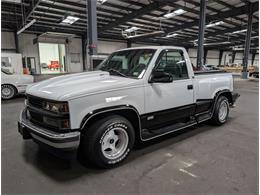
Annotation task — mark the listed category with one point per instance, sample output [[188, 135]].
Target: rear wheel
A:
[[8, 92], [107, 142], [221, 111]]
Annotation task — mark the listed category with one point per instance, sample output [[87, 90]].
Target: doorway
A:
[[52, 58]]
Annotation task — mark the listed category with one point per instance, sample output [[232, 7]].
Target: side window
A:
[[173, 62]]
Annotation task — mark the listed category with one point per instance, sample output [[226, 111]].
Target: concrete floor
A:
[[202, 160]]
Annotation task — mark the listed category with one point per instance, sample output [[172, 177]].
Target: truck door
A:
[[173, 101]]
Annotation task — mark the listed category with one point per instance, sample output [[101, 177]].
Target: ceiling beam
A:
[[237, 11], [135, 14], [34, 5]]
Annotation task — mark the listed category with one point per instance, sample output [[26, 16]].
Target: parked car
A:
[[13, 84], [210, 67], [135, 95]]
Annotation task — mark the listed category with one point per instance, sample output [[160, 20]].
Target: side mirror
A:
[[160, 77]]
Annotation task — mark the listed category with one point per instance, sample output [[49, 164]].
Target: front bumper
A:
[[51, 139]]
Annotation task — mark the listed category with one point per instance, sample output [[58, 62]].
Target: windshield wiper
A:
[[111, 71]]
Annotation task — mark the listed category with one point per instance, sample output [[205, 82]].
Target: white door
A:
[[167, 102]]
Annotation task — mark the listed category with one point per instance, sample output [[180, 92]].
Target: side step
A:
[[150, 134]]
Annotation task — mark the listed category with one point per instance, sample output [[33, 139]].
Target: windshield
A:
[[6, 71], [128, 63]]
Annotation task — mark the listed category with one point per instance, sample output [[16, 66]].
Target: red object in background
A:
[[26, 71], [54, 65]]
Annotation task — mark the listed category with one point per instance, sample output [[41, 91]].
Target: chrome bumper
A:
[[29, 130]]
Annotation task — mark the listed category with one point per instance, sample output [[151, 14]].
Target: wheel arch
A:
[[227, 93], [126, 111]]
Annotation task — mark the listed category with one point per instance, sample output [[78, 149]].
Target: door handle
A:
[[189, 87]]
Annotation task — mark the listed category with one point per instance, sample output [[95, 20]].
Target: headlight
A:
[[56, 107]]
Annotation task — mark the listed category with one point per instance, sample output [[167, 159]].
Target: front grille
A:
[[35, 101], [37, 115]]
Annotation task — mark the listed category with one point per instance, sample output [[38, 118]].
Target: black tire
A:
[[217, 118], [8, 92], [93, 140]]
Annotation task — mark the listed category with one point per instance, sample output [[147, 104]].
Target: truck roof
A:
[[153, 47]]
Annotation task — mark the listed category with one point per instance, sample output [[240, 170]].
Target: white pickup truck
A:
[[136, 94]]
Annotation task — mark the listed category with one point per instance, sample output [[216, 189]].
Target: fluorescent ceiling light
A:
[[101, 1], [198, 40], [175, 13], [217, 43], [132, 29], [69, 20], [239, 31], [26, 26], [172, 35], [145, 34], [214, 24], [12, 1]]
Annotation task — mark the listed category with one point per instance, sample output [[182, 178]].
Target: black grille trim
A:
[[36, 112]]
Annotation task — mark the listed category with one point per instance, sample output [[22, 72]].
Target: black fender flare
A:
[[227, 93], [99, 111]]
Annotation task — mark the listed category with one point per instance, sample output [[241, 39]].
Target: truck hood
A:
[[63, 88]]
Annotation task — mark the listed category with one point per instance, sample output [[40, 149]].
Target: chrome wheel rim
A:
[[114, 143], [223, 110], [7, 92]]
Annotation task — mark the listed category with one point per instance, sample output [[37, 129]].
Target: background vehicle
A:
[[210, 67], [13, 84], [137, 94]]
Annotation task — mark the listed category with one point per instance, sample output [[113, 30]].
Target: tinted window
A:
[[173, 62]]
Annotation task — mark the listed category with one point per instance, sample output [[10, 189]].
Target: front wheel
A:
[[108, 142], [221, 111], [8, 92]]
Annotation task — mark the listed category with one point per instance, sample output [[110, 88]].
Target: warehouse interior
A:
[[49, 38]]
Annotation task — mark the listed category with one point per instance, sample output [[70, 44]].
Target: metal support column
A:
[[84, 44], [233, 56], [92, 30], [253, 58], [202, 20], [205, 56], [16, 40], [220, 57], [248, 41]]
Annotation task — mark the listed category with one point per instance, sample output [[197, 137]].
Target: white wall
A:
[[212, 57], [193, 56], [28, 49], [107, 47], [74, 50]]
